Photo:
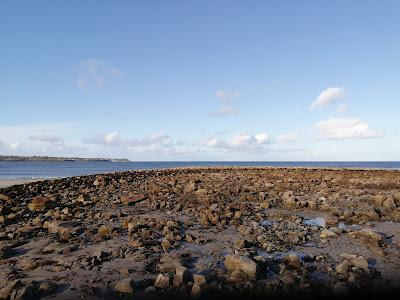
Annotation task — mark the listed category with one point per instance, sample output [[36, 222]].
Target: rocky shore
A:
[[202, 232]]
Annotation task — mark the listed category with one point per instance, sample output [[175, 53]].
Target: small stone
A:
[[132, 199], [125, 286], [162, 281], [165, 244], [326, 234], [47, 287], [104, 230], [348, 256], [237, 214], [40, 204], [361, 263], [312, 205], [199, 279], [4, 197], [293, 260], [343, 267]]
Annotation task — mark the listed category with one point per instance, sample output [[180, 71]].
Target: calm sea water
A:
[[36, 169]]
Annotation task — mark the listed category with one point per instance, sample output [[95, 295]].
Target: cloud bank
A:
[[346, 128]]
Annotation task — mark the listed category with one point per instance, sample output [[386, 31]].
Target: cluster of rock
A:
[[201, 232]]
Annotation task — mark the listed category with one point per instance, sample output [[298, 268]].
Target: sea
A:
[[56, 169]]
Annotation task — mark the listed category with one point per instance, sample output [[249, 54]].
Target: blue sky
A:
[[201, 80]]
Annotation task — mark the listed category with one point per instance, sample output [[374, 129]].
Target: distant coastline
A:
[[55, 158]]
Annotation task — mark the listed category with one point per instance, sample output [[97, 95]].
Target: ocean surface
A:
[[40, 169]]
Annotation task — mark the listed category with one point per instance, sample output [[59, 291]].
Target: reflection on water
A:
[[318, 221]]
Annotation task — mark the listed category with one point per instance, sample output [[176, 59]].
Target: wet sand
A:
[[202, 232], [10, 182]]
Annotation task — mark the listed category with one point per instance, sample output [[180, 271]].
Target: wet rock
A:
[[241, 263], [125, 286]]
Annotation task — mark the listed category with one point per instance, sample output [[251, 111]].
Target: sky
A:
[[201, 80]]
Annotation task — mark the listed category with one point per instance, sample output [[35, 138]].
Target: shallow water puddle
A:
[[267, 223], [318, 221], [342, 225]]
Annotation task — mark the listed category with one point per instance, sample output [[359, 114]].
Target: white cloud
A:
[[14, 146], [287, 137], [242, 142], [329, 96], [46, 138], [342, 108], [94, 72], [346, 128], [227, 107], [113, 139], [290, 137]]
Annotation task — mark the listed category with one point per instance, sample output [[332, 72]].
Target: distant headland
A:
[[52, 158]]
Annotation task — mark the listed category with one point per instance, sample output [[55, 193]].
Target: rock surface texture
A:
[[201, 232]]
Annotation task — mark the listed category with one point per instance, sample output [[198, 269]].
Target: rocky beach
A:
[[202, 232]]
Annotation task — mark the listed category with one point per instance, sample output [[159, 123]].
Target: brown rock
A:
[[4, 197], [343, 267], [40, 204], [133, 199], [125, 286], [199, 279], [293, 260], [5, 292], [389, 203], [162, 281], [196, 291], [327, 234], [241, 263], [361, 263]]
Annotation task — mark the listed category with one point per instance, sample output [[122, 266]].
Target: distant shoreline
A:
[[56, 158]]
